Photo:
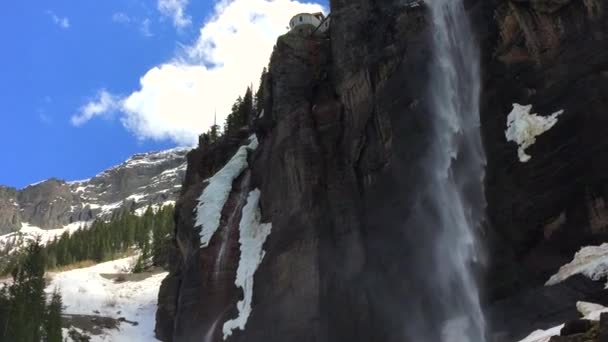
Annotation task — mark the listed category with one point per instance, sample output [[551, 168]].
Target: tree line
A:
[[149, 233], [25, 313], [243, 111]]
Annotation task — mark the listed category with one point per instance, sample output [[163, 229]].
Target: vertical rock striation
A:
[[341, 165]]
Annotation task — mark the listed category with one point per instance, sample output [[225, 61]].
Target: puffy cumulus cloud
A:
[[175, 9], [104, 104], [171, 104], [177, 100]]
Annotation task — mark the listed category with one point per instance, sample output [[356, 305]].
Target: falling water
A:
[[454, 201]]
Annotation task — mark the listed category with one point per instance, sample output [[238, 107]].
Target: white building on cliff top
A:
[[309, 23]]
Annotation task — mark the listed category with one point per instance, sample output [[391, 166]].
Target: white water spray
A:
[[456, 162]]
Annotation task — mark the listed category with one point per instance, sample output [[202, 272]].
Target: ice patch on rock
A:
[[543, 335], [523, 127], [590, 261], [212, 200], [590, 311], [253, 234]]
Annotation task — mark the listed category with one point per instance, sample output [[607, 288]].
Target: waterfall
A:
[[454, 203]]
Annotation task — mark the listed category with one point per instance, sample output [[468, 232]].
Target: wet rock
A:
[[603, 328], [340, 168], [577, 326], [544, 307]]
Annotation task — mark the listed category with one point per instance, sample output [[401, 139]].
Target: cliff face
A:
[[144, 179], [9, 210], [552, 55], [339, 167]]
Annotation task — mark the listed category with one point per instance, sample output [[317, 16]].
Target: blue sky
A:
[[87, 83]]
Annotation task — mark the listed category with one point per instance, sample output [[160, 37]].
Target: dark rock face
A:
[[144, 179], [9, 210], [48, 204], [191, 300], [517, 316], [544, 210], [603, 327], [339, 166], [577, 326]]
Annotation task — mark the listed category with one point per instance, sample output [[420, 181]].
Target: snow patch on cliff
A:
[[523, 127], [589, 311], [590, 261], [543, 335], [253, 235], [212, 200]]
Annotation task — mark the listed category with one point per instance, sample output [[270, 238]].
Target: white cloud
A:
[[103, 105], [62, 22], [121, 17], [144, 28], [175, 9], [177, 99]]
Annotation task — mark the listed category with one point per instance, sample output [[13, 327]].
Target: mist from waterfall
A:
[[454, 203]]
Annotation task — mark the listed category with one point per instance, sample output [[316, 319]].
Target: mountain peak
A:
[[144, 179]]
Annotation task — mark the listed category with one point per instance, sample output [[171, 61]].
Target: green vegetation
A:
[[24, 314], [244, 109], [103, 241]]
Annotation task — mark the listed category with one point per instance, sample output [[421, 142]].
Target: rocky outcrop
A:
[[341, 164], [514, 317], [9, 210], [582, 330], [144, 179], [49, 204]]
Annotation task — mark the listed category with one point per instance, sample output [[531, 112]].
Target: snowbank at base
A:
[[211, 202], [253, 234], [523, 127], [86, 292], [590, 261], [589, 311]]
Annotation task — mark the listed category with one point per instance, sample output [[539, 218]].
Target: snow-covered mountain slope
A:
[[144, 179], [12, 242], [106, 292]]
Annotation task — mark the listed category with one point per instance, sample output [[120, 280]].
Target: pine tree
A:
[[259, 95], [53, 320], [246, 110], [214, 131], [24, 299]]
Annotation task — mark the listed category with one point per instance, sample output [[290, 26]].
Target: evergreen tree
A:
[[246, 109], [259, 95], [232, 120], [214, 131], [24, 299], [53, 321]]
